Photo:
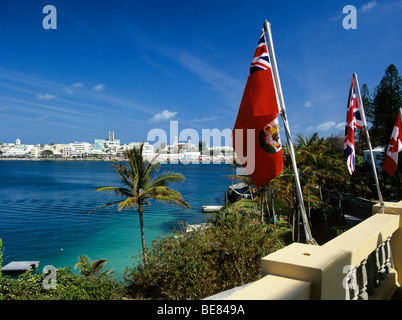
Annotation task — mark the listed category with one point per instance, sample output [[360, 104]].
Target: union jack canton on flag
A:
[[353, 122]]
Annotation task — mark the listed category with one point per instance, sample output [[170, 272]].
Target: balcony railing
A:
[[360, 264], [361, 281]]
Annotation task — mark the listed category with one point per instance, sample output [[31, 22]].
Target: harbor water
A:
[[44, 208]]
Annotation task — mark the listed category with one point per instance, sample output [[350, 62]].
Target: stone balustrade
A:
[[361, 263]]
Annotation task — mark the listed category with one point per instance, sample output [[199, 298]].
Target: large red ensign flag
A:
[[255, 135], [394, 147]]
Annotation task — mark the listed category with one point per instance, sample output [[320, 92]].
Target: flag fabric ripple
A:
[[258, 111], [353, 122]]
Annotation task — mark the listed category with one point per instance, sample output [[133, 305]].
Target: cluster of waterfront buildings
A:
[[111, 148]]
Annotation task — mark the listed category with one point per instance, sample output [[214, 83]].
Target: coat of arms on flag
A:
[[258, 116], [269, 138]]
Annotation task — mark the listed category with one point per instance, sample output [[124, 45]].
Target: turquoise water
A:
[[44, 209]]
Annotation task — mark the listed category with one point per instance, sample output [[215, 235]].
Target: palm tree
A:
[[141, 184], [91, 268]]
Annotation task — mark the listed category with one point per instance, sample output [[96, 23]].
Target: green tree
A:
[[1, 253], [92, 268], [367, 102], [201, 263], [334, 144], [141, 184], [386, 103]]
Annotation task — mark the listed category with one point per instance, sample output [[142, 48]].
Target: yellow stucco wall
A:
[[301, 270]]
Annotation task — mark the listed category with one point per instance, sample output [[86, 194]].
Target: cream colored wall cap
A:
[[274, 288], [300, 254], [390, 207]]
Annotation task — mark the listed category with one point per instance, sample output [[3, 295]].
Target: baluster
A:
[[383, 271], [389, 261], [347, 284], [354, 285], [362, 280], [378, 266]]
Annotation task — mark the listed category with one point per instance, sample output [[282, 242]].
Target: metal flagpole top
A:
[[271, 53], [359, 99]]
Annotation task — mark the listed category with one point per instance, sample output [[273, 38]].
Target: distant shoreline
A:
[[54, 159], [108, 160]]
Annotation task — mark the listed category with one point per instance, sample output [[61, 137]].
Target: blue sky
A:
[[132, 66]]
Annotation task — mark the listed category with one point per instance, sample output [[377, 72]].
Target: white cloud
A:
[[68, 90], [99, 87], [326, 126], [309, 129], [164, 115], [308, 104], [368, 6], [78, 85], [45, 96], [340, 125], [219, 81]]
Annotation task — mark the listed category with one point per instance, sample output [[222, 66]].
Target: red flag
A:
[[394, 147], [259, 149]]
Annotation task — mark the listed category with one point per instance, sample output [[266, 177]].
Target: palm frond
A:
[[166, 195], [98, 264], [83, 261], [124, 174], [136, 161], [117, 190], [166, 178], [152, 167], [128, 203], [110, 204]]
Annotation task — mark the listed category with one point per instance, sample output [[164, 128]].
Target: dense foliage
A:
[[381, 110], [199, 264], [29, 286], [0, 255]]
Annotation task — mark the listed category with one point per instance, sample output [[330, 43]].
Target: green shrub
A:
[[200, 264], [29, 286]]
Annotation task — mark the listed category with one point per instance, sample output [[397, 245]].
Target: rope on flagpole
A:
[[361, 107], [271, 53]]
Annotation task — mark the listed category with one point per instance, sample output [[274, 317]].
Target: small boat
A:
[[211, 208], [238, 191]]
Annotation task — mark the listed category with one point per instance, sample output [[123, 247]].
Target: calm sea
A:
[[44, 209]]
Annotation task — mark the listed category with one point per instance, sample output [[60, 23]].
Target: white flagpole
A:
[[275, 73], [361, 107]]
